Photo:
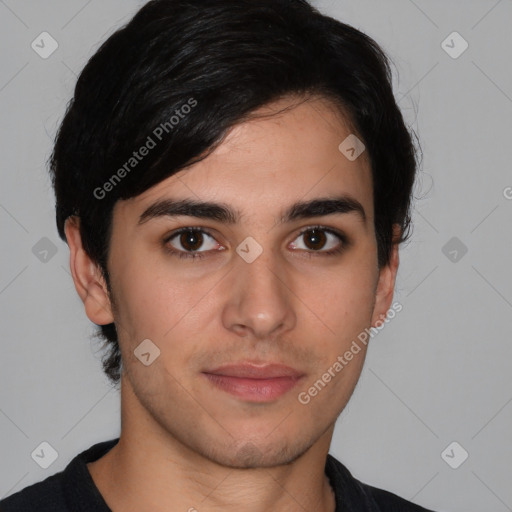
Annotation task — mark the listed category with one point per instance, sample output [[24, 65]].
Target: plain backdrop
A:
[[438, 373]]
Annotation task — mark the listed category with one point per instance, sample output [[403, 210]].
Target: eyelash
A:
[[201, 254]]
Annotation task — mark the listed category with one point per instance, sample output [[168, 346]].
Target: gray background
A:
[[439, 372]]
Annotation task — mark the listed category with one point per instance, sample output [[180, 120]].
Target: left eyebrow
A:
[[225, 214]]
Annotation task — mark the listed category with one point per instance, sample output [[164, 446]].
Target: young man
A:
[[233, 178]]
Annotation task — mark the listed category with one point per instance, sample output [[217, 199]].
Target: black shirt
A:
[[73, 490]]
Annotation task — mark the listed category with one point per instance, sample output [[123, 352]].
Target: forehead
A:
[[287, 151]]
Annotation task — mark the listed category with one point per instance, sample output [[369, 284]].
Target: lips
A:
[[254, 383], [253, 371]]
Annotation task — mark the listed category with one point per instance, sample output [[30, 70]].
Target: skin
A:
[[184, 443]]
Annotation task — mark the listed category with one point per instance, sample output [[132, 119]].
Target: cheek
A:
[[164, 306], [345, 307], [345, 297], [352, 298]]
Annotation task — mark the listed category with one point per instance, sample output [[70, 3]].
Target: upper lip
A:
[[254, 371]]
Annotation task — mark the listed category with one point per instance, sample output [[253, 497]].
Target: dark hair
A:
[[217, 61]]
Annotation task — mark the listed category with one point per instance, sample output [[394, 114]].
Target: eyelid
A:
[[340, 235], [332, 231], [188, 229]]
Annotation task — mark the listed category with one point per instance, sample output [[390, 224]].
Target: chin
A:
[[251, 455]]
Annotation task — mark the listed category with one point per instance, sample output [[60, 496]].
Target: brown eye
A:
[[186, 243], [191, 240], [315, 239]]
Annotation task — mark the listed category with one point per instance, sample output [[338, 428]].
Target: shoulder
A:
[[389, 502], [357, 495], [44, 496], [72, 489]]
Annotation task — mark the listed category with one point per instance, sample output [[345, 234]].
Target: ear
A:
[[87, 276], [386, 282]]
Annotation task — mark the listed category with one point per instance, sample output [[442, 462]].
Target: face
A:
[[267, 288]]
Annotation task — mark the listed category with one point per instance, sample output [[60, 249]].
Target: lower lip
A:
[[254, 390]]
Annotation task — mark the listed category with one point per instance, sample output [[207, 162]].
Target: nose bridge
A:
[[260, 300]]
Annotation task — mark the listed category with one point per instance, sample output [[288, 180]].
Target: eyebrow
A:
[[225, 214]]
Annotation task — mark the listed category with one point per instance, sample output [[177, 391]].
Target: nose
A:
[[261, 303]]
